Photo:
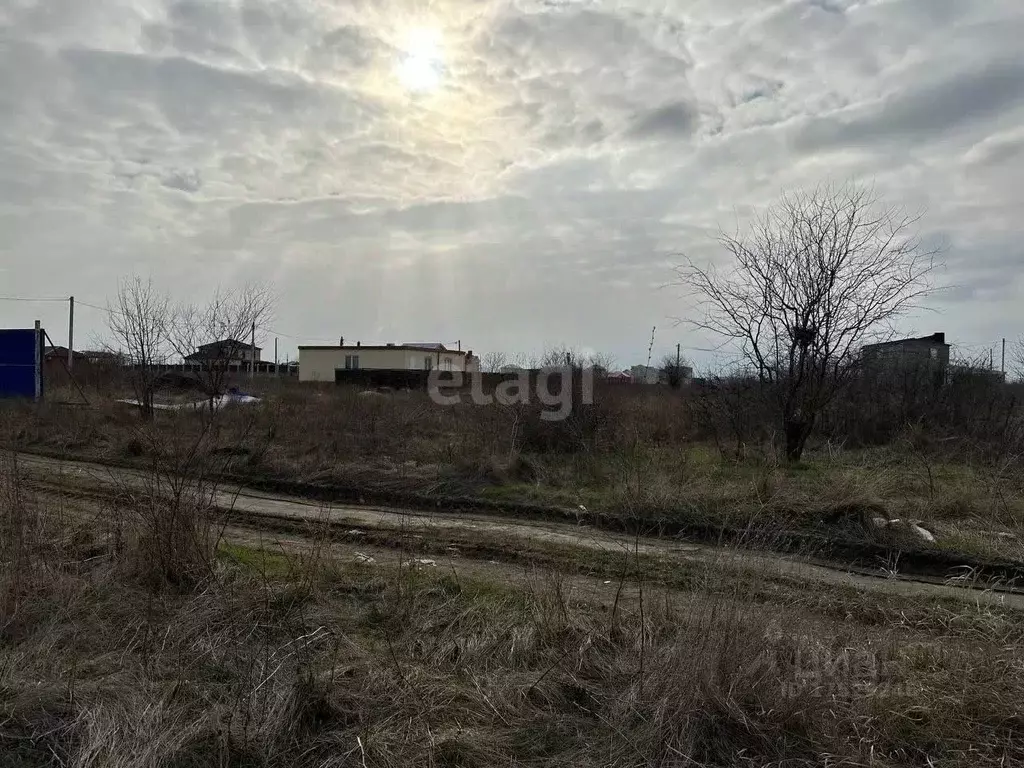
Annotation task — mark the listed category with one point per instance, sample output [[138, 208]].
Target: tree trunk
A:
[[146, 401], [797, 431]]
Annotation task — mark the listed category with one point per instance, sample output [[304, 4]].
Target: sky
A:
[[511, 174]]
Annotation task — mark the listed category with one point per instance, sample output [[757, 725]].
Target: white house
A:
[[645, 374], [318, 363]]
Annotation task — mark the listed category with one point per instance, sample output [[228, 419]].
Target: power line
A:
[[291, 336], [107, 310], [92, 306], [31, 298]]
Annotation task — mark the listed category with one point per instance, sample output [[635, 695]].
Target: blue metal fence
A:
[[21, 357]]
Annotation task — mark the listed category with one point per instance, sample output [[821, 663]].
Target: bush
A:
[[577, 433]]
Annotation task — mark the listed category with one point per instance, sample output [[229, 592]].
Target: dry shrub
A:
[[33, 551], [170, 541], [855, 495], [22, 538], [656, 415], [578, 432]]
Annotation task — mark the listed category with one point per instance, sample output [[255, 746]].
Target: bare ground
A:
[[483, 538]]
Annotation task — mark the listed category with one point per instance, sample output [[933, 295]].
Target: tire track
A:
[[478, 536]]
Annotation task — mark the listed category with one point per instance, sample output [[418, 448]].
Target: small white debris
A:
[[923, 534], [364, 558], [907, 527], [582, 508], [607, 582], [355, 532], [418, 563]]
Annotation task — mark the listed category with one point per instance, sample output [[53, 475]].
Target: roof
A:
[[437, 347], [61, 352], [375, 347], [935, 338], [227, 343]]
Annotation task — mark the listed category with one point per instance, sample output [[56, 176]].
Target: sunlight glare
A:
[[421, 64]]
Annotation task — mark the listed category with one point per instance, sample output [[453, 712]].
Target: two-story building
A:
[[225, 352]]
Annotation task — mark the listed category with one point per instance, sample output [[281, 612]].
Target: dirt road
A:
[[260, 511]]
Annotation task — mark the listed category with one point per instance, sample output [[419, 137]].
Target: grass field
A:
[[138, 630], [229, 652], [640, 459]]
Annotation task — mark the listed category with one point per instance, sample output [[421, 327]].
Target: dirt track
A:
[[261, 511]]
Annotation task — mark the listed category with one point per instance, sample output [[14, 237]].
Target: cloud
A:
[[1001, 150], [671, 120], [184, 181], [575, 150], [929, 110]]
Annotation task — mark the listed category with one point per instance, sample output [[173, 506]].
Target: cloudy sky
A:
[[512, 173]]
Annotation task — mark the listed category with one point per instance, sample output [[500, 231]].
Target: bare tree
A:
[[139, 320], [561, 355], [1017, 360], [675, 370], [601, 363], [564, 355], [220, 331], [494, 362], [816, 277]]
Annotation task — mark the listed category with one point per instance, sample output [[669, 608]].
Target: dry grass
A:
[[292, 658], [634, 457]]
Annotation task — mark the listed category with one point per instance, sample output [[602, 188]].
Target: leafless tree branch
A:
[[138, 320], [229, 316], [815, 278]]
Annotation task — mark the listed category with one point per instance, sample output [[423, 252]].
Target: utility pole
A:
[[678, 358], [71, 333], [252, 360], [277, 364], [38, 368], [991, 359], [1002, 367]]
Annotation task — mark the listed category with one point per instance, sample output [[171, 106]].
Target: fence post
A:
[[38, 366]]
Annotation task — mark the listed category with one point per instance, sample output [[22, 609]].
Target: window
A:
[[351, 362], [447, 363], [935, 354], [428, 363]]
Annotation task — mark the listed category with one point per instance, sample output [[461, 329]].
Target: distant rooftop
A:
[[413, 346], [228, 343], [935, 338], [425, 345]]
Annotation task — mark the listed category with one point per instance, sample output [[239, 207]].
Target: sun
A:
[[420, 64]]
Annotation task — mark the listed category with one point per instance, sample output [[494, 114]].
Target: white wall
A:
[[319, 364]]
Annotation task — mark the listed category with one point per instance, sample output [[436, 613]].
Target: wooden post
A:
[[71, 334], [38, 368]]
